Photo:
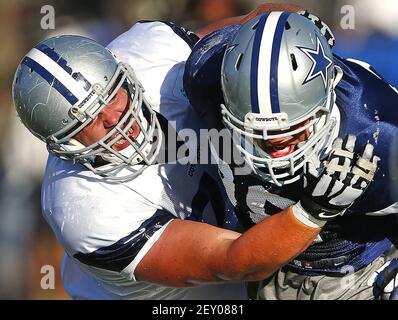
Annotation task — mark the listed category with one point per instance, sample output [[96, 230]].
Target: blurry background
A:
[[26, 242]]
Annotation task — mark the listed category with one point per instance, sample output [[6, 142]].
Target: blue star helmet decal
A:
[[320, 62]]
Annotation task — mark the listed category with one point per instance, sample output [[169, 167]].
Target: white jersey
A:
[[107, 227]]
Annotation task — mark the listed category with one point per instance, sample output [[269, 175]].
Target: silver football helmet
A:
[[278, 80], [63, 83]]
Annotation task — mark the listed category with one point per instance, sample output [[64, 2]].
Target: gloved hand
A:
[[385, 281], [342, 179]]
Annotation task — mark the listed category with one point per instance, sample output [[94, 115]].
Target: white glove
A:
[[342, 180]]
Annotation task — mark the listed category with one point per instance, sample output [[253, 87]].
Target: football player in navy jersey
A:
[[288, 102]]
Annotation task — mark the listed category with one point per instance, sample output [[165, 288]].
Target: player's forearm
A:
[[218, 25], [191, 253], [267, 246], [267, 7]]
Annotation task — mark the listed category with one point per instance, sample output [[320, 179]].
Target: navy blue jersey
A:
[[368, 107]]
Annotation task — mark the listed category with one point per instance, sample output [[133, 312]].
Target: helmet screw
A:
[[97, 88], [74, 110]]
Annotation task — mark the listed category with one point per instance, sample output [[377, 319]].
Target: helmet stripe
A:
[[40, 70], [58, 73], [53, 55], [274, 96], [254, 64], [263, 47]]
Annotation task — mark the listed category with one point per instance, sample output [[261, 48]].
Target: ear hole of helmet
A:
[[254, 26], [294, 61], [238, 61]]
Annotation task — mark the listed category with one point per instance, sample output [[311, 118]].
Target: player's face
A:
[[106, 120], [281, 147]]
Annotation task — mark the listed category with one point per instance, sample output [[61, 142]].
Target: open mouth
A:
[[278, 152], [123, 143]]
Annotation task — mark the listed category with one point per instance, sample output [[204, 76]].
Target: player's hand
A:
[[333, 188], [385, 281]]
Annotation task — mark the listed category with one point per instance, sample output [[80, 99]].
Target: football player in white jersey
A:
[[135, 224]]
